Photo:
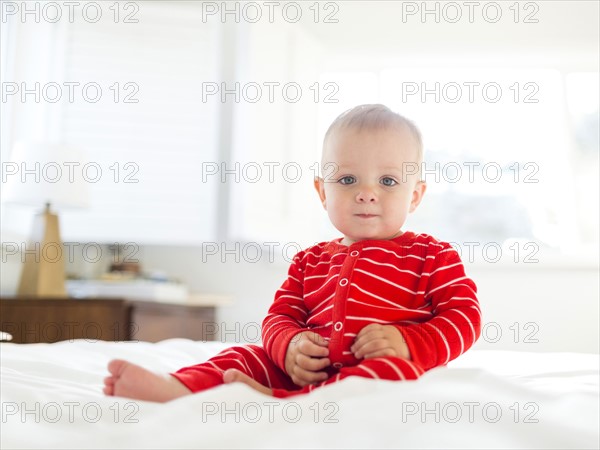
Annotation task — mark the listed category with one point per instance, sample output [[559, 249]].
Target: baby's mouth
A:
[[366, 216]]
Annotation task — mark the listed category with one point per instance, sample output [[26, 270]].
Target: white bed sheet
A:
[[51, 398]]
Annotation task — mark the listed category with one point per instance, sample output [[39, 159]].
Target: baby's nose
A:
[[366, 196]]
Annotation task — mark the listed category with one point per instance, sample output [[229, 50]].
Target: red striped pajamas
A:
[[413, 282]]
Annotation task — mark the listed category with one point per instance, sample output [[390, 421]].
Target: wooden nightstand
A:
[[33, 320]]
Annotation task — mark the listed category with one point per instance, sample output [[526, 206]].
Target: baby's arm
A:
[[301, 353], [456, 321]]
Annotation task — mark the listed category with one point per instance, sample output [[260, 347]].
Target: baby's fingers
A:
[[309, 348], [374, 347], [317, 339], [381, 353], [303, 377], [312, 364]]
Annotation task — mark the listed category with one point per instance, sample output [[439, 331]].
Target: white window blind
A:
[[274, 143], [149, 132]]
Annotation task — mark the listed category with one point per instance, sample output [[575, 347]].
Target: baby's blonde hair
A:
[[375, 117]]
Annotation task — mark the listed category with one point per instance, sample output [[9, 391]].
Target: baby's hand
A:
[[375, 340], [306, 356]]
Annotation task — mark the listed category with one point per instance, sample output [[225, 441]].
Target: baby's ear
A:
[[417, 195], [320, 187]]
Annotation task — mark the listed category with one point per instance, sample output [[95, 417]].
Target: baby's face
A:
[[369, 195]]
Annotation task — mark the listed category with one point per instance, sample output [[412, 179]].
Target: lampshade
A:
[[45, 172]]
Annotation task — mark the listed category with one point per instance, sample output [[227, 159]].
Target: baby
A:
[[380, 302]]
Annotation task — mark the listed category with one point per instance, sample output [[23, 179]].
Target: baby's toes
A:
[[117, 366]]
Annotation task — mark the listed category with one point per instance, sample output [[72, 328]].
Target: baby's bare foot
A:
[[132, 381], [234, 375]]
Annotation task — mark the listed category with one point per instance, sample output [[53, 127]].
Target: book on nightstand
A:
[[142, 289]]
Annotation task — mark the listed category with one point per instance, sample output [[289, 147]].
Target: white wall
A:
[[554, 308]]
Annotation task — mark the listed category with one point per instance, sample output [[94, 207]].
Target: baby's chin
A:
[[347, 240]]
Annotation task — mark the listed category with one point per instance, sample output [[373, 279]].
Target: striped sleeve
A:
[[287, 315], [456, 322]]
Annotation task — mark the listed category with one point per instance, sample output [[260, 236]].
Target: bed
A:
[[51, 398]]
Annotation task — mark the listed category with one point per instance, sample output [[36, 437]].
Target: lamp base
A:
[[44, 270]]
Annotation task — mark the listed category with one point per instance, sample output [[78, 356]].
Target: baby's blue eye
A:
[[347, 180], [387, 181]]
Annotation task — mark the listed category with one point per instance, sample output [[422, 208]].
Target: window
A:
[[582, 105], [137, 113]]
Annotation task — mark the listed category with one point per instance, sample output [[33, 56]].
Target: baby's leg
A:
[[235, 376], [132, 381], [384, 368], [248, 364]]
